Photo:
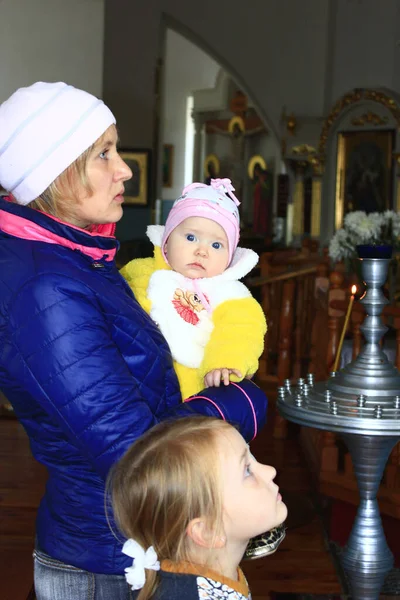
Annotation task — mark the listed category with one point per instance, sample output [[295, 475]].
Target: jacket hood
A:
[[25, 223]]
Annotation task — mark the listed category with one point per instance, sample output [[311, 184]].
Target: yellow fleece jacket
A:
[[237, 337]]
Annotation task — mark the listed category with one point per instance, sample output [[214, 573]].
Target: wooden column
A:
[[282, 195], [316, 198], [396, 201], [316, 207], [298, 199], [285, 348], [299, 328], [307, 205]]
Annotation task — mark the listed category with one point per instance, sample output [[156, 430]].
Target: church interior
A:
[[298, 104]]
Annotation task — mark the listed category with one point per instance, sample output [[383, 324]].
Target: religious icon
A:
[[236, 126], [365, 178], [364, 172], [238, 132], [167, 165], [211, 168], [262, 195], [137, 188]]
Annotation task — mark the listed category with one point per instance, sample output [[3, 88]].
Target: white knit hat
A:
[[43, 129]]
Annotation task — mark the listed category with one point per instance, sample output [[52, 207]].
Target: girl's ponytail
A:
[[150, 585]]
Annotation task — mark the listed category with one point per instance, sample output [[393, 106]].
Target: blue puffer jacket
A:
[[87, 372]]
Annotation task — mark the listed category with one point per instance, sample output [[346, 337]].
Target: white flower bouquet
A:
[[375, 229]]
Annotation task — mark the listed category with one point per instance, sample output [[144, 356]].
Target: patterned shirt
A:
[[192, 582]]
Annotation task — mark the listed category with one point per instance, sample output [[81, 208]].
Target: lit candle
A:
[[346, 321]]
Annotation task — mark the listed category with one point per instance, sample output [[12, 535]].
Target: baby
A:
[[191, 289]]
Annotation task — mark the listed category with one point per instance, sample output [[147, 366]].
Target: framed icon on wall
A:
[[137, 188]]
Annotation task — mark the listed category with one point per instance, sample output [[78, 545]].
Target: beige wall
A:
[[51, 40]]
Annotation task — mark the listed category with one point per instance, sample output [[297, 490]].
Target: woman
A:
[[84, 367]]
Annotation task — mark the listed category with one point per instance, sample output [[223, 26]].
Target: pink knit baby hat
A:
[[43, 129], [215, 201]]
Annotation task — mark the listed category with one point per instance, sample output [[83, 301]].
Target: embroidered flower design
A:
[[187, 304], [214, 590]]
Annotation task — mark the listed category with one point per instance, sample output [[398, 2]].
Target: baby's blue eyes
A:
[[103, 154], [192, 238]]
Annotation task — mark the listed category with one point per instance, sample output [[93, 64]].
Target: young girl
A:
[[188, 495], [213, 325]]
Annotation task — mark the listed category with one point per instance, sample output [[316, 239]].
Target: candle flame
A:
[[353, 289]]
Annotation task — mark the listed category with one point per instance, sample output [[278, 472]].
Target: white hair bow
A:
[[135, 574]]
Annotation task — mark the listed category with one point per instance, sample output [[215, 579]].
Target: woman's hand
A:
[[214, 377]]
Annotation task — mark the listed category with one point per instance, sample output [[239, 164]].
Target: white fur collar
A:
[[243, 261]]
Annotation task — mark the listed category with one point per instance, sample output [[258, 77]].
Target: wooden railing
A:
[[289, 302], [285, 259]]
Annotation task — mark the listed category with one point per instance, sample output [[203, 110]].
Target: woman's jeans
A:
[[55, 580]]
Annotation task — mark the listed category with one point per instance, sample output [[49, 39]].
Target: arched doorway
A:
[[217, 118]]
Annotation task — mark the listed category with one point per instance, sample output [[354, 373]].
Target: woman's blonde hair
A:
[[167, 478], [61, 195]]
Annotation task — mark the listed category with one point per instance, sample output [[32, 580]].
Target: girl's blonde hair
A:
[[167, 478], [61, 195]]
